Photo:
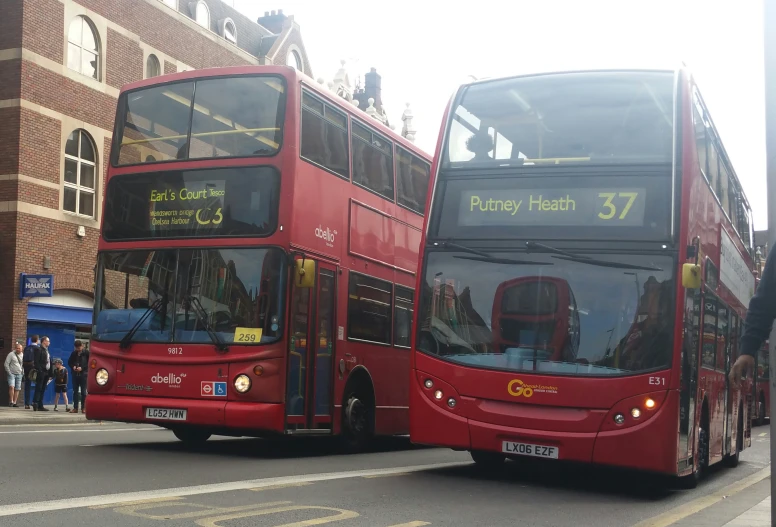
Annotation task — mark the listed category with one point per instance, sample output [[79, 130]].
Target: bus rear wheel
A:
[[487, 460], [357, 429], [191, 437]]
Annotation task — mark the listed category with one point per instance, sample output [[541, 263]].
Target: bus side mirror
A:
[[304, 277], [691, 276]]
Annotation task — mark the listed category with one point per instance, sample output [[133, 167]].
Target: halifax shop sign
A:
[[36, 285]]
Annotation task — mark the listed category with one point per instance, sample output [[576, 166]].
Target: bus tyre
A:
[[191, 437], [691, 481], [487, 460], [356, 426]]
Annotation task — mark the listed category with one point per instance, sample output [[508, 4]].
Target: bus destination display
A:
[[195, 205], [553, 207]]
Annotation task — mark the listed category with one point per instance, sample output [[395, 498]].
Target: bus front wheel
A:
[[191, 437]]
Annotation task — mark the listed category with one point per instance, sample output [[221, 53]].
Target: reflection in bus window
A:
[[548, 315]]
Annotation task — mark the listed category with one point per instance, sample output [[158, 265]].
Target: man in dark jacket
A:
[[759, 320], [28, 359], [42, 365], [79, 365]]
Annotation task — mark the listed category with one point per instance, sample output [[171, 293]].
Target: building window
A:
[[294, 60], [83, 53], [202, 14], [403, 308], [80, 171], [230, 31], [372, 161], [153, 68], [369, 309], [324, 136], [171, 3]]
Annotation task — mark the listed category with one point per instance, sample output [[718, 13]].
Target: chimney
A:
[[373, 88], [273, 21]]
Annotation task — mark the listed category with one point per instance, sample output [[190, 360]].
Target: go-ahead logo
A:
[[170, 379], [516, 388]]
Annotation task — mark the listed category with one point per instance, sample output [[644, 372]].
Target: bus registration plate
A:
[[168, 414], [527, 449]]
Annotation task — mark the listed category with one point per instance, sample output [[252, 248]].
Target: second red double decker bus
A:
[[256, 262], [591, 246]]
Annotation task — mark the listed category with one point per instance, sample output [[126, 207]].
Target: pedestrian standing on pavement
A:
[[43, 373], [79, 364], [759, 320], [29, 365], [60, 384], [14, 368]]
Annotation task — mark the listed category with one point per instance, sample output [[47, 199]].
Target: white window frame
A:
[[157, 63], [96, 35], [172, 4], [203, 23], [229, 27], [77, 185], [297, 64]]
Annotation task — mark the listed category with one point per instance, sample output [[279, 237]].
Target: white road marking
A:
[[82, 430], [253, 484]]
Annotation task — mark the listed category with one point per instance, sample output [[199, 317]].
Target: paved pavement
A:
[[127, 475], [20, 416]]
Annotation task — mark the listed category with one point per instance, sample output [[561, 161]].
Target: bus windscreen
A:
[[572, 118], [192, 203], [202, 119]]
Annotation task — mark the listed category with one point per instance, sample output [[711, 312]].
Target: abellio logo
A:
[[170, 379], [325, 234]]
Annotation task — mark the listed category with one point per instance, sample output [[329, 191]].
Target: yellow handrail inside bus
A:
[[555, 160], [206, 134]]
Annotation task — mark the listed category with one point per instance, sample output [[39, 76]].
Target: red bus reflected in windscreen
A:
[[536, 318]]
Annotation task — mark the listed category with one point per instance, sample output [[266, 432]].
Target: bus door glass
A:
[[310, 372], [689, 385]]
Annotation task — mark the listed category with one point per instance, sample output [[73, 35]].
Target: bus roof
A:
[[564, 72], [293, 76]]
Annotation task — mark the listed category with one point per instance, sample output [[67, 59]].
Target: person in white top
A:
[[14, 368]]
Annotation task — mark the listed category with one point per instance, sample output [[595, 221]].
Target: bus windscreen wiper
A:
[[201, 315], [565, 255], [126, 340], [482, 256]]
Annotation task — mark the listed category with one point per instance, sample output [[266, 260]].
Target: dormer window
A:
[[229, 30], [202, 14]]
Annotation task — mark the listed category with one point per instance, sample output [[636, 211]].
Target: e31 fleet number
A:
[[657, 381]]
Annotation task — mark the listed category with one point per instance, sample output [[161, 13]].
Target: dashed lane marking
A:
[[387, 475], [282, 486], [105, 499], [81, 431]]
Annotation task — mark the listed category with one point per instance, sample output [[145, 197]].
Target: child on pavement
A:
[[60, 387]]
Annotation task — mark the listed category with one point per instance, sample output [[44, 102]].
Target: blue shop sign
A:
[[36, 285]]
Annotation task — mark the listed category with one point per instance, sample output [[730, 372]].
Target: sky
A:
[[424, 49]]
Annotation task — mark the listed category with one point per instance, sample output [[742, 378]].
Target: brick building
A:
[[62, 63]]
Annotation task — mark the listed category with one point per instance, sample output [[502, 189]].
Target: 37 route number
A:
[[657, 381], [610, 209]]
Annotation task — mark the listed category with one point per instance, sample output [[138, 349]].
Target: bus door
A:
[[688, 395], [310, 380]]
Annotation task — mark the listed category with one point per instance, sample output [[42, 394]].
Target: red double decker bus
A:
[[594, 249], [257, 260]]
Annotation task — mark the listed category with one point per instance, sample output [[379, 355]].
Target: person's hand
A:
[[745, 363]]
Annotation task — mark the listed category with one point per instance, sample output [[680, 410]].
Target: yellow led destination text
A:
[[187, 206], [574, 207], [534, 203]]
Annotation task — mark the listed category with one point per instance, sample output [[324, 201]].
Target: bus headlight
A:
[[101, 376], [242, 383]]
